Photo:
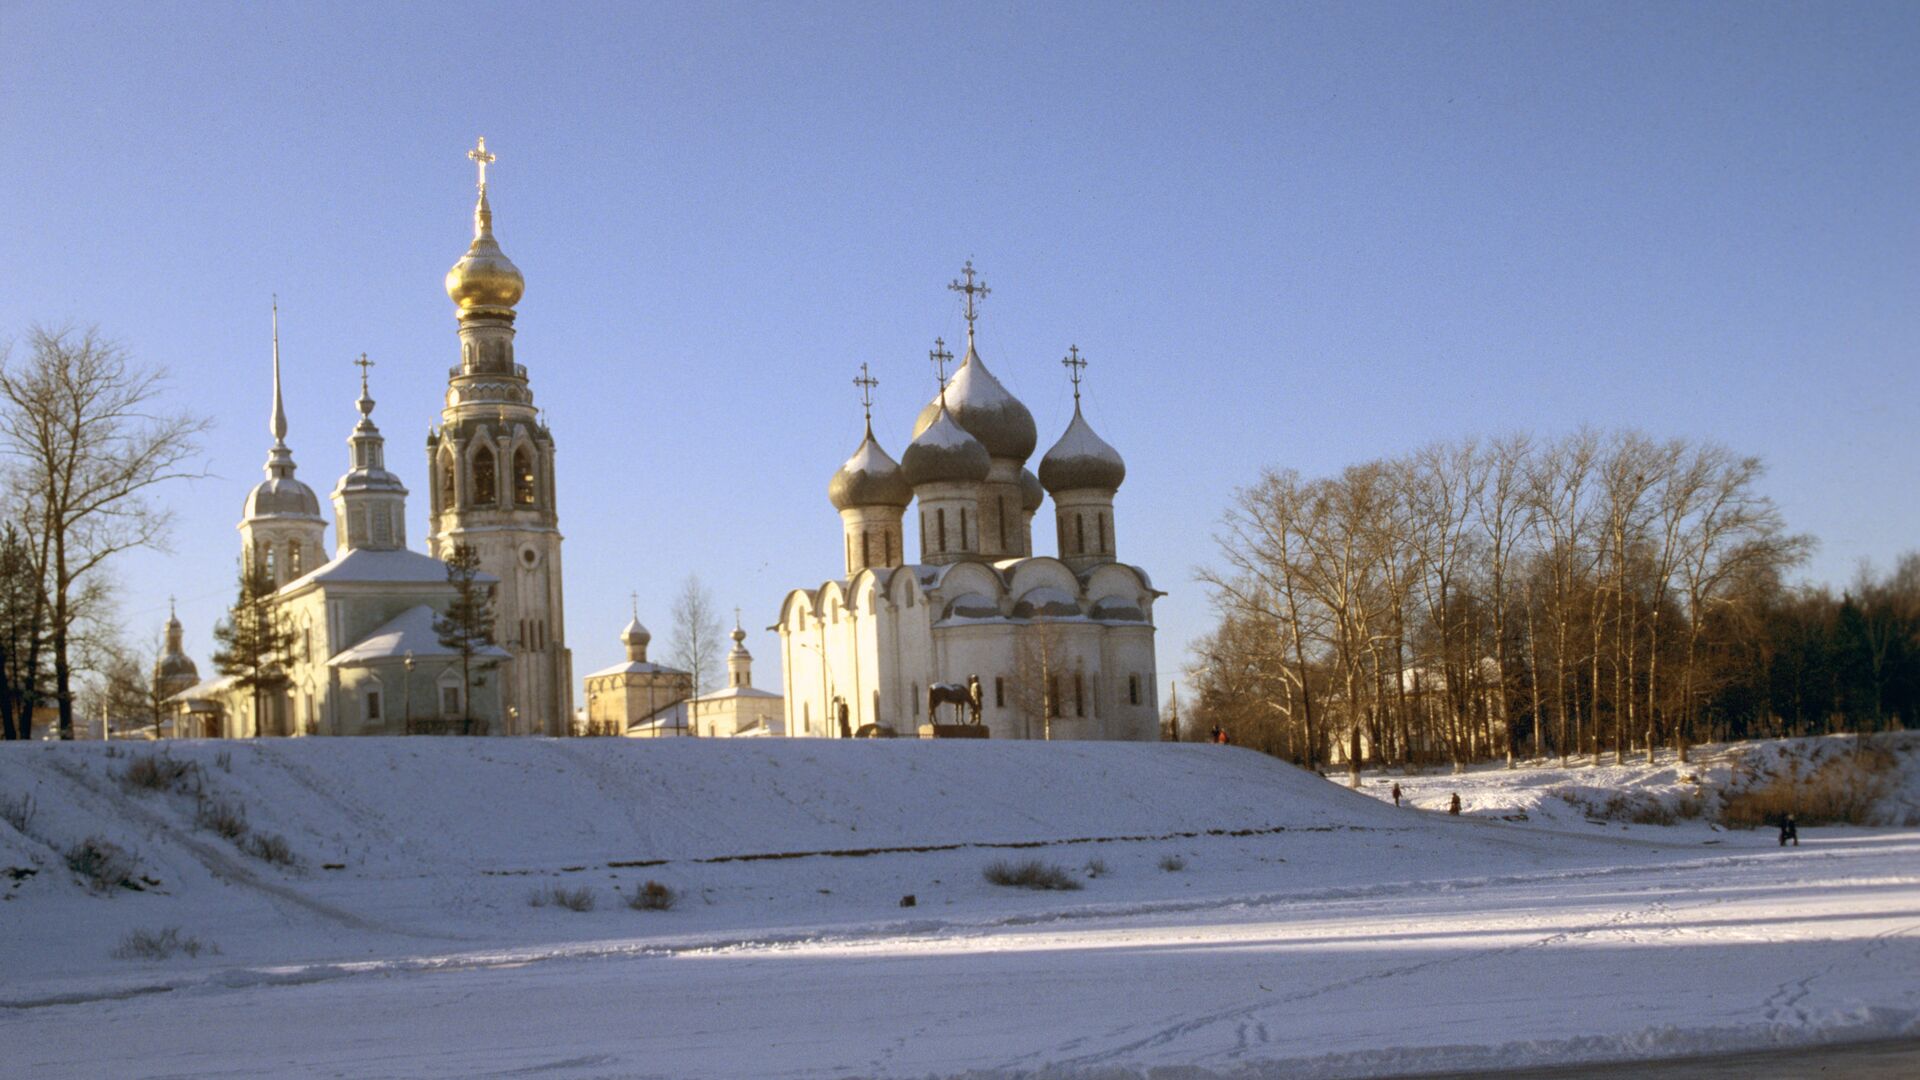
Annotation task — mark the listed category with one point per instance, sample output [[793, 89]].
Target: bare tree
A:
[[696, 636], [90, 439], [1040, 664]]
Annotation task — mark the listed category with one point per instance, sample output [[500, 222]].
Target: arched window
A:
[[295, 565], [268, 565], [963, 528], [1003, 522], [1079, 535], [940, 521], [486, 483], [1100, 523], [522, 477], [866, 547]]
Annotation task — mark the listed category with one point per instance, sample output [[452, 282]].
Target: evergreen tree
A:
[[467, 626], [253, 640], [23, 635]]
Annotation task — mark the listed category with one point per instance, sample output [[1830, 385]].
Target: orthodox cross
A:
[[634, 599], [866, 383], [940, 357], [363, 364], [481, 158], [1074, 364], [973, 292]]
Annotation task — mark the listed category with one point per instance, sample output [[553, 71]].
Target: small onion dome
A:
[[484, 277], [984, 408], [1081, 460], [282, 496], [1031, 493], [635, 634], [176, 665], [869, 478], [944, 451]]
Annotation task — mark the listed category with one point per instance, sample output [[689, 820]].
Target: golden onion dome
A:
[[484, 277]]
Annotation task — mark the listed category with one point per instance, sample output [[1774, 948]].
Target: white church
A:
[[1045, 647], [366, 659]]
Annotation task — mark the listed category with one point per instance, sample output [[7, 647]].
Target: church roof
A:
[[636, 667], [202, 691], [732, 692], [396, 567], [667, 719], [411, 631]]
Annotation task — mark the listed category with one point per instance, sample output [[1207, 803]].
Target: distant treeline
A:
[[1599, 593]]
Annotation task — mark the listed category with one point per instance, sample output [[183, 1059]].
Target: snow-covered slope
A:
[[1696, 793], [1233, 915]]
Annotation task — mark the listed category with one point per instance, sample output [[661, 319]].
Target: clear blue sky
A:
[[1284, 234]]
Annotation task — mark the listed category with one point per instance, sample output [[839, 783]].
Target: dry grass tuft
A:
[[222, 818], [103, 866], [159, 945], [580, 899], [160, 772], [1030, 874], [270, 847], [1172, 864], [653, 896]]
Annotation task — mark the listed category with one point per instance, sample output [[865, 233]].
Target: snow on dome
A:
[[986, 410], [1046, 601], [1082, 460], [282, 496], [971, 605], [869, 478], [944, 451]]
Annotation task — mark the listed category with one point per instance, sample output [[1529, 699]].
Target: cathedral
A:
[[366, 658], [1027, 646]]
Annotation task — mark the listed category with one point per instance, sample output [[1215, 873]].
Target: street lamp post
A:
[[407, 662]]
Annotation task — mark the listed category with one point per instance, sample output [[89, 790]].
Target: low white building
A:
[[1058, 647], [738, 709]]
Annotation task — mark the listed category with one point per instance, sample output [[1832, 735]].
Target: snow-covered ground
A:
[[1310, 931]]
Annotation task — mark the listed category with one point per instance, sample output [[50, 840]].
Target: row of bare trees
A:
[[1482, 599], [85, 437]]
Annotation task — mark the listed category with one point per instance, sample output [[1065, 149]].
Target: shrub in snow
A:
[[17, 811], [1031, 874], [1172, 863], [270, 847], [653, 896], [159, 945], [159, 772], [222, 818], [1845, 788], [103, 866], [580, 899], [1096, 868]]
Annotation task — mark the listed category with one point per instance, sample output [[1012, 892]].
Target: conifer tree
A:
[[254, 640], [467, 626], [23, 635]]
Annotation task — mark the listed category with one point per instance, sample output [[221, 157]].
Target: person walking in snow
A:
[[1396, 793], [1789, 831], [1453, 806]]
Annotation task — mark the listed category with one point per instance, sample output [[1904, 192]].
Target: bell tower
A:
[[491, 479]]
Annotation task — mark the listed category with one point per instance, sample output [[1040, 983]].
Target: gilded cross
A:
[[363, 364], [1075, 364], [973, 292], [481, 158], [866, 383], [634, 599], [941, 358]]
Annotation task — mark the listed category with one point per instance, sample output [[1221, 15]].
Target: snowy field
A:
[[1236, 917]]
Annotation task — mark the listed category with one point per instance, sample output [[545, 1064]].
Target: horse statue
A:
[[962, 696]]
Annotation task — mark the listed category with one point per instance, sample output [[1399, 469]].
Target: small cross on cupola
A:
[[482, 158], [973, 292], [1076, 366]]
